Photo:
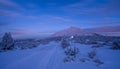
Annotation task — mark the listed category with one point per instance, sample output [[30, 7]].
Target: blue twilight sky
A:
[[44, 17]]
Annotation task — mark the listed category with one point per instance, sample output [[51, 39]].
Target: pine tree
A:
[[7, 42]]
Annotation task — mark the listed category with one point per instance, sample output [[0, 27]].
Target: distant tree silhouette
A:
[[7, 42]]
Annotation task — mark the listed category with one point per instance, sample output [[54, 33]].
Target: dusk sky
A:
[[44, 17]]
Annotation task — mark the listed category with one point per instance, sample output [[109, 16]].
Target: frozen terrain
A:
[[51, 56]]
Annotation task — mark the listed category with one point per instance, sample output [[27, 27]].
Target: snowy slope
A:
[[51, 56]]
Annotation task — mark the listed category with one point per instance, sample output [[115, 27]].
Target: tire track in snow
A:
[[35, 59], [44, 62], [56, 59]]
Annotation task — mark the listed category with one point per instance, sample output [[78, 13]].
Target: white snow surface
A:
[[51, 56]]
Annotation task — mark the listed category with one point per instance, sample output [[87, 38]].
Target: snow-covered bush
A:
[[72, 51], [97, 46], [71, 54], [116, 45], [98, 62], [65, 43], [68, 59], [84, 59], [26, 44], [44, 41], [93, 42], [7, 42], [92, 54]]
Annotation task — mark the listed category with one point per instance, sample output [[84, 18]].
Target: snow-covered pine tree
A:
[[7, 42]]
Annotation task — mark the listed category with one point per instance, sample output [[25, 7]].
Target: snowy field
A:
[[52, 55]]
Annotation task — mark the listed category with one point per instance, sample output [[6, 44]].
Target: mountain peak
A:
[[70, 31], [73, 27]]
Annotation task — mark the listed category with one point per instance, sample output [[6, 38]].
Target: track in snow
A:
[[45, 57]]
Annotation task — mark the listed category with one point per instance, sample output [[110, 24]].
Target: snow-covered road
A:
[[43, 57]]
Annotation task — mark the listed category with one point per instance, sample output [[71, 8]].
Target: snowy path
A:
[[42, 58]]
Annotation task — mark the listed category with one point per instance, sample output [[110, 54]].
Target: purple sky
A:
[[44, 17]]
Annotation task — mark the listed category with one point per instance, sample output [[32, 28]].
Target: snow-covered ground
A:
[[51, 56]]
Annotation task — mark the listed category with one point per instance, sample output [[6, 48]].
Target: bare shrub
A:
[[92, 54]]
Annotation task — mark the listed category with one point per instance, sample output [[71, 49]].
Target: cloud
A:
[[46, 32], [61, 19], [105, 29], [112, 7], [93, 7], [17, 29], [97, 23], [8, 3], [18, 33], [4, 23], [49, 18], [14, 14], [31, 5], [116, 22], [8, 13]]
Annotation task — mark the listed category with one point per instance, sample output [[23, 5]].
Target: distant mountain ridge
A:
[[78, 31], [71, 31]]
